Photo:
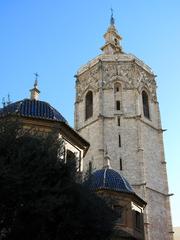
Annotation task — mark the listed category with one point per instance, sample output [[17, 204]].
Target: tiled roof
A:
[[32, 108], [108, 179]]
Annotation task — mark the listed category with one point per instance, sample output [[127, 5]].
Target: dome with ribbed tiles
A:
[[108, 179], [32, 108]]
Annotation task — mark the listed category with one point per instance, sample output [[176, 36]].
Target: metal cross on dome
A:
[[36, 76], [36, 79]]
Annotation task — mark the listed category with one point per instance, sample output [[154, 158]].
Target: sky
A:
[[55, 38]]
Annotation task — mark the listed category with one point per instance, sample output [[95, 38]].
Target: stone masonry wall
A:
[[141, 148]]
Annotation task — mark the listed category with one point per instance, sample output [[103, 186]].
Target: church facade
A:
[[117, 111]]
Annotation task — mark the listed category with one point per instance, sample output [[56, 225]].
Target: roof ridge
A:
[[104, 177], [125, 183]]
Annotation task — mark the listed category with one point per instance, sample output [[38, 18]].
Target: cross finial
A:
[[35, 91], [112, 21], [8, 101], [36, 75], [36, 79], [3, 102]]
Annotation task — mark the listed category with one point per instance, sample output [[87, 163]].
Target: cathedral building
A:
[[117, 111]]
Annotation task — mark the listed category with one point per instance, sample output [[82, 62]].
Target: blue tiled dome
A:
[[108, 179], [32, 108]]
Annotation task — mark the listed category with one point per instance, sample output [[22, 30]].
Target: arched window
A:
[[145, 101], [118, 105], [117, 87], [117, 96], [89, 105]]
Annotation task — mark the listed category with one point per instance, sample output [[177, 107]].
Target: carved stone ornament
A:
[[129, 73], [88, 80]]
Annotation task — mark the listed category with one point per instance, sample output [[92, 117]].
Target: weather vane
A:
[[112, 17]]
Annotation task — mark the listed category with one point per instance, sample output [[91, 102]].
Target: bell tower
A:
[[117, 109]]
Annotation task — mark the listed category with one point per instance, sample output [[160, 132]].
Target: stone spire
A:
[[112, 39], [35, 91]]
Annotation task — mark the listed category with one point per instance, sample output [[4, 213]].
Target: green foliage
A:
[[39, 196]]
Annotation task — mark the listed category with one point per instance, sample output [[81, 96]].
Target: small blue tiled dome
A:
[[108, 179], [32, 108]]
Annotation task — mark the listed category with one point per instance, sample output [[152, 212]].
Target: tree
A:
[[40, 198]]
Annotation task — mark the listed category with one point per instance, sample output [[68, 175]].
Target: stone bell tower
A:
[[116, 109]]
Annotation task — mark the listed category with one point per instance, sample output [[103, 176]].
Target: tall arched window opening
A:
[[117, 88], [117, 96], [89, 105], [145, 101], [118, 105], [118, 121]]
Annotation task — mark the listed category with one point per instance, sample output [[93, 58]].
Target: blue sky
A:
[[54, 38]]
